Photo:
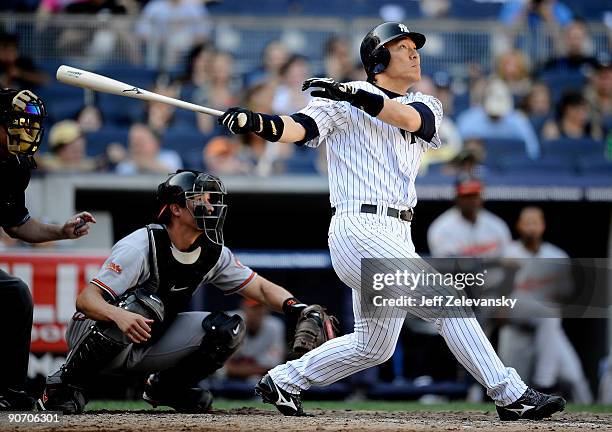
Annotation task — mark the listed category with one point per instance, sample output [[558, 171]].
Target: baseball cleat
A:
[[533, 405], [59, 396], [194, 400], [288, 404]]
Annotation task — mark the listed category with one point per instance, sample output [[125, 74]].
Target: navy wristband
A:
[[269, 127], [369, 102]]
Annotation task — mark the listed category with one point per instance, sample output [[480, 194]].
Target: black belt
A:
[[405, 215]]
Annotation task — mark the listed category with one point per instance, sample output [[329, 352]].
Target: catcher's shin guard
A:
[[223, 335], [64, 390]]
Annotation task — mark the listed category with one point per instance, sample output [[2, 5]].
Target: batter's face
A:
[[405, 61]]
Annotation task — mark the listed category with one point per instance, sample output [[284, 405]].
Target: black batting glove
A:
[[330, 89], [369, 102], [238, 120]]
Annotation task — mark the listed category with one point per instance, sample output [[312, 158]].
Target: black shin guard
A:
[[223, 335]]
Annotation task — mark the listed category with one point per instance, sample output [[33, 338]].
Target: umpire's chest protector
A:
[[178, 275]]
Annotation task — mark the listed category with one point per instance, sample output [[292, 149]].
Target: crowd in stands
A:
[[521, 113]]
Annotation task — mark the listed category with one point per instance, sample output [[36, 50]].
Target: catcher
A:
[[133, 315]]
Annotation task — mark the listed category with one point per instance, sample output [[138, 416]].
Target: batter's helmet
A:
[[188, 185], [374, 55]]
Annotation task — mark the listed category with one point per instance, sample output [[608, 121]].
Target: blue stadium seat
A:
[[97, 141], [408, 390], [133, 75], [559, 82], [558, 164], [188, 144], [120, 111], [572, 147], [595, 165]]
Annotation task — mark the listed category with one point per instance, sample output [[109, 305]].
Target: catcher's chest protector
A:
[[177, 281]]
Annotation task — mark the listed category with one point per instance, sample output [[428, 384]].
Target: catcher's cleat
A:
[[13, 400], [192, 400], [533, 405], [288, 404], [59, 396]]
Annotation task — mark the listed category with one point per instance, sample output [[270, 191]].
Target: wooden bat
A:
[[89, 80]]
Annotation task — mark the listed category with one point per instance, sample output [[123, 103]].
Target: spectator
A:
[[263, 346], [537, 106], [444, 92], [534, 329], [289, 96], [159, 115], [145, 155], [198, 65], [90, 118], [171, 28], [16, 71], [540, 17], [449, 135], [467, 229], [599, 96], [67, 146], [575, 52], [338, 59], [226, 155], [571, 119], [274, 56], [513, 70], [497, 118]]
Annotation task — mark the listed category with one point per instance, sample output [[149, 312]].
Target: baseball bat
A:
[[89, 80]]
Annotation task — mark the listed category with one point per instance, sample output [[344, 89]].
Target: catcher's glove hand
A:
[[330, 89], [314, 327]]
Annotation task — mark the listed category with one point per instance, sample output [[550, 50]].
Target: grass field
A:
[[407, 406]]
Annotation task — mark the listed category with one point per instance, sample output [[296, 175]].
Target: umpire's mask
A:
[[21, 115]]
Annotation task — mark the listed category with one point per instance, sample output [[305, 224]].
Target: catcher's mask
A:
[[202, 194], [24, 127]]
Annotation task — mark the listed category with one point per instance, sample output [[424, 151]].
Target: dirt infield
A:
[[259, 420]]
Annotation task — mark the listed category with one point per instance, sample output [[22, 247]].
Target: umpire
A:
[[21, 117]]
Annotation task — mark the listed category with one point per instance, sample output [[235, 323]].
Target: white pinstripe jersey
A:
[[370, 160]]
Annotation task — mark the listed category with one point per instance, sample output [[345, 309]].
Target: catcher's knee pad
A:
[[223, 334]]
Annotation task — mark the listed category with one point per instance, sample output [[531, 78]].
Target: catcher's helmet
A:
[[206, 193], [23, 125], [374, 55]]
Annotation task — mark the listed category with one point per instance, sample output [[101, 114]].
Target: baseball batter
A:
[[376, 134]]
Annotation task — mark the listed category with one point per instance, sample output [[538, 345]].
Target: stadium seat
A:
[[184, 141], [595, 165], [557, 164], [408, 390], [559, 82], [572, 147], [97, 141], [120, 111], [302, 162]]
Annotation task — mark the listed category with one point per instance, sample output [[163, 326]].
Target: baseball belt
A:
[[405, 215]]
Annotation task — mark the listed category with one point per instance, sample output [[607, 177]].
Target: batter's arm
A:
[[403, 116], [293, 131]]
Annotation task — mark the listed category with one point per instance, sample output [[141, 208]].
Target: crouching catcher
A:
[[133, 316]]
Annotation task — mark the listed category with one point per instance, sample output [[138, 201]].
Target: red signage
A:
[[55, 279]]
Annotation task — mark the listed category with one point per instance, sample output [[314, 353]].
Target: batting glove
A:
[[238, 120], [369, 102], [330, 89]]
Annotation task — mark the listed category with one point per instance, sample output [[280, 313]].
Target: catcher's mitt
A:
[[314, 327]]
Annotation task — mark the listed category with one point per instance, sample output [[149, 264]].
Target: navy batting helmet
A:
[[188, 185], [374, 55]]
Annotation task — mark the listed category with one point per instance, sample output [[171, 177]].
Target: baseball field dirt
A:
[[260, 420]]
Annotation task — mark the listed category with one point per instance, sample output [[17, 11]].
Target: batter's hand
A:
[[238, 120], [78, 225], [330, 89]]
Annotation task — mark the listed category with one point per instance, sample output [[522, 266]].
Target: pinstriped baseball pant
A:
[[353, 236]]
